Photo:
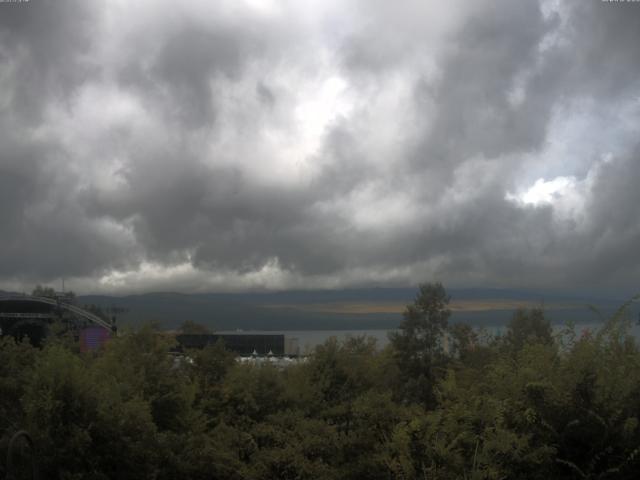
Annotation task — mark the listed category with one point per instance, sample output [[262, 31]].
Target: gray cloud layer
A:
[[224, 145]]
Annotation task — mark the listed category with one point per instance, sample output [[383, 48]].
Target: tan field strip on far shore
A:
[[394, 307]]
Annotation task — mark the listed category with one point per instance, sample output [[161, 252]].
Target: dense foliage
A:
[[530, 404]]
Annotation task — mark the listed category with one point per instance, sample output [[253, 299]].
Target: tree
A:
[[528, 326], [189, 327], [41, 291], [140, 363], [418, 347], [16, 363], [463, 340], [208, 370]]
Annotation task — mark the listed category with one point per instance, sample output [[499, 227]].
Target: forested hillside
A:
[[529, 404]]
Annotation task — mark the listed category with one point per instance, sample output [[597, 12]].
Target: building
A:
[[243, 344]]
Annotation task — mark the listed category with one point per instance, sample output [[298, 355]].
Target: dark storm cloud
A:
[[604, 60], [474, 116], [356, 144], [43, 46], [45, 232], [612, 243], [179, 74]]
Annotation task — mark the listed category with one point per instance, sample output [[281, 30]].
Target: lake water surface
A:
[[309, 339]]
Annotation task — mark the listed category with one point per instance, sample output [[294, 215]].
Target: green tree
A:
[[208, 369], [290, 446], [253, 392], [43, 291], [71, 406], [463, 340], [194, 328], [16, 363], [418, 346], [139, 361], [528, 326]]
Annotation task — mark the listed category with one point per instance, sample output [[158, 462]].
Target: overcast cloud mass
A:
[[226, 145]]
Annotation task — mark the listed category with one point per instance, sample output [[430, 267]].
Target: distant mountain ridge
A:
[[305, 309]]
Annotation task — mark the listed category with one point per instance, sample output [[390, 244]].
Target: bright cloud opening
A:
[[320, 108], [544, 191]]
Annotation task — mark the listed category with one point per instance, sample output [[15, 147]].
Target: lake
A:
[[309, 339]]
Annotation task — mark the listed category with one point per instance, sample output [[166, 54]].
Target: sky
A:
[[202, 146]]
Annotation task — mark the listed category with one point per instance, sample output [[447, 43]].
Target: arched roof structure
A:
[[52, 302]]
